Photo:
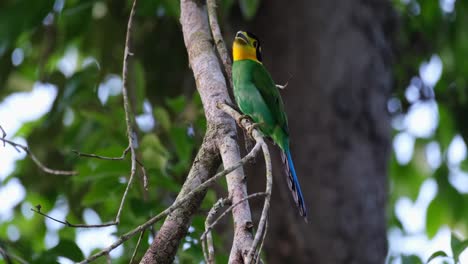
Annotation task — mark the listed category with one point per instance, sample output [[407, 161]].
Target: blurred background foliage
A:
[[77, 47], [430, 85]]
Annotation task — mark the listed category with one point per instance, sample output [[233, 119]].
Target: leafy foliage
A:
[[77, 46], [433, 34]]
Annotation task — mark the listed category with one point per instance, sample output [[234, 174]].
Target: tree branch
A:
[[33, 157], [199, 169], [212, 88], [218, 38]]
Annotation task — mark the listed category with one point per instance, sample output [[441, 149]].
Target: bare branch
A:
[[4, 134], [136, 247], [209, 257], [218, 39], [9, 257], [34, 158], [209, 225], [65, 222], [91, 155], [128, 114], [261, 244], [180, 201], [266, 206]]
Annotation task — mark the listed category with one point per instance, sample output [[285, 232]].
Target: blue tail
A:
[[293, 183]]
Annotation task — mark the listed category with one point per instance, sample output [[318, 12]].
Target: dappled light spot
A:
[[17, 56], [412, 93], [448, 6], [403, 145], [59, 211], [431, 71], [68, 117], [63, 260], [90, 239], [11, 194], [419, 244], [456, 151], [112, 86], [459, 180], [398, 122], [394, 105], [26, 210], [68, 64], [146, 120], [412, 215], [422, 119], [433, 155], [48, 20], [99, 10], [51, 239], [13, 233]]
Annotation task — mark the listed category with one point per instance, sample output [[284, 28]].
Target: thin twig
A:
[[128, 115], [218, 39], [108, 258], [136, 247], [91, 155], [209, 257], [229, 209], [65, 222], [5, 256], [8, 257], [145, 177], [266, 205], [261, 244], [128, 120], [174, 206], [4, 134], [34, 158], [123, 156]]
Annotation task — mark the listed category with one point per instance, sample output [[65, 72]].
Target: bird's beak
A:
[[241, 37]]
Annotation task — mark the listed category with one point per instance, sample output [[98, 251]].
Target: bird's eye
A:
[[254, 43]]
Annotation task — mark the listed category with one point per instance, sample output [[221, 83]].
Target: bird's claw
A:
[[241, 118], [251, 128]]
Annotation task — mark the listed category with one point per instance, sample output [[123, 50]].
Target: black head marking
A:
[[258, 47]]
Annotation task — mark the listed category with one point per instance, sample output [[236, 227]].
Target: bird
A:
[[257, 97]]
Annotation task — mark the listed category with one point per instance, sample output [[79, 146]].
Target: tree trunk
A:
[[339, 56]]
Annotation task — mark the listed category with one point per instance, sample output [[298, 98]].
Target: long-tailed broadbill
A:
[[258, 97]]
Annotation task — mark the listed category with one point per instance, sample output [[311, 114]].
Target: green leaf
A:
[[68, 249], [177, 104], [410, 259], [172, 8], [437, 215], [458, 247], [436, 254], [162, 116], [249, 8], [140, 84], [154, 153], [446, 128], [464, 165], [406, 179], [19, 18]]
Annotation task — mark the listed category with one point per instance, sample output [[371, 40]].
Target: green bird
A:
[[258, 97]]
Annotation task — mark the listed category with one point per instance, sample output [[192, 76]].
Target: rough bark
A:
[[338, 53], [220, 141]]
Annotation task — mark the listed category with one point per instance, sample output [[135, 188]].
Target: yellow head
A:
[[246, 46]]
